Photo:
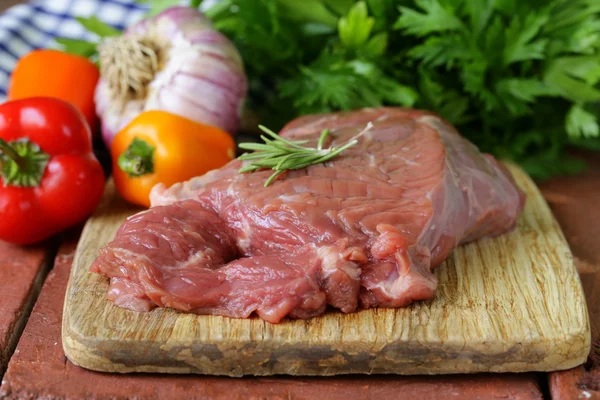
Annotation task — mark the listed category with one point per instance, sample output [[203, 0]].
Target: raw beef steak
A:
[[363, 230]]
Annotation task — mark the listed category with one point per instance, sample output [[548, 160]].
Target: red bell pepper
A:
[[51, 179]]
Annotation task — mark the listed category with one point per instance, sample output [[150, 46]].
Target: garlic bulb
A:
[[175, 62]]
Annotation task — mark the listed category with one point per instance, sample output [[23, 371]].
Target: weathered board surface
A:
[[22, 272], [39, 370], [574, 201], [512, 303]]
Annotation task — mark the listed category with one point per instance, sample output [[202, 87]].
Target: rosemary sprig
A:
[[280, 154]]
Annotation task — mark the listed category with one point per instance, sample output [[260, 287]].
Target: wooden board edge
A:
[[584, 331], [80, 353], [69, 335], [80, 350]]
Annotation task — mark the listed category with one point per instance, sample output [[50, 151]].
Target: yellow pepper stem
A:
[[22, 163], [138, 159]]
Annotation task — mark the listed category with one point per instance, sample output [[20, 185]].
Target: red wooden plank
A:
[[4, 4], [39, 369], [22, 270], [583, 382], [575, 202]]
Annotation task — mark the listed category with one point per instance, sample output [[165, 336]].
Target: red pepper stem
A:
[[22, 163], [11, 153]]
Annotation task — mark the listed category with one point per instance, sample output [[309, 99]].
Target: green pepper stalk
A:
[[22, 163]]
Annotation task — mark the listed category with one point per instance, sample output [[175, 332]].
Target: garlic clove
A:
[[198, 73], [171, 100]]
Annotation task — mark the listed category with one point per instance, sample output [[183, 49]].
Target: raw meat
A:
[[363, 230]]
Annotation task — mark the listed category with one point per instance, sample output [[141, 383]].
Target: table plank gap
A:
[[39, 369], [574, 202], [22, 273]]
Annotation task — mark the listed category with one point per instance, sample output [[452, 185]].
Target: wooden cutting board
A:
[[509, 304]]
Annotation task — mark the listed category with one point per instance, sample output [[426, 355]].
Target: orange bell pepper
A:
[[54, 73], [160, 147]]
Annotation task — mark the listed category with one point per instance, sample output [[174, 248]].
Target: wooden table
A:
[[39, 369], [575, 202], [4, 4], [22, 272]]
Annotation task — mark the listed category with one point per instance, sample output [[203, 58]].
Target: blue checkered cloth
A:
[[35, 25]]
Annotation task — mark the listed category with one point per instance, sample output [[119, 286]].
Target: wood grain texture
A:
[[574, 201], [40, 370], [513, 303], [22, 272], [5, 4], [583, 382]]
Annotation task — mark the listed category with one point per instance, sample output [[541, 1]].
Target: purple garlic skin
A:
[[201, 75]]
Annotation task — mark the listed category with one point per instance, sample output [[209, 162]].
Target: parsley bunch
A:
[[518, 78]]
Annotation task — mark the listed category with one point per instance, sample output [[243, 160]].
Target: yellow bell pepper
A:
[[160, 147]]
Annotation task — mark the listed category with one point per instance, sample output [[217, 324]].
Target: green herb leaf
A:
[[586, 143], [86, 48], [376, 46], [157, 6], [384, 12], [546, 165], [520, 35], [94, 25], [581, 123], [78, 47], [340, 7], [449, 103], [334, 84], [445, 50], [281, 155], [521, 79], [515, 93], [314, 11], [479, 12], [436, 18], [572, 76], [355, 28]]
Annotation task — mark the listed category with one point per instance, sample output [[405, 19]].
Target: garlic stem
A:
[[129, 64]]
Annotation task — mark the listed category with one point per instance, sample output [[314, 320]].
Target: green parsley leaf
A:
[[314, 11], [521, 79], [436, 18], [355, 28], [86, 48], [384, 12], [78, 47], [94, 25], [441, 50], [435, 97], [521, 44], [546, 165], [376, 46], [479, 12], [569, 75], [340, 7], [586, 143], [334, 84], [157, 6], [581, 123], [515, 93]]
